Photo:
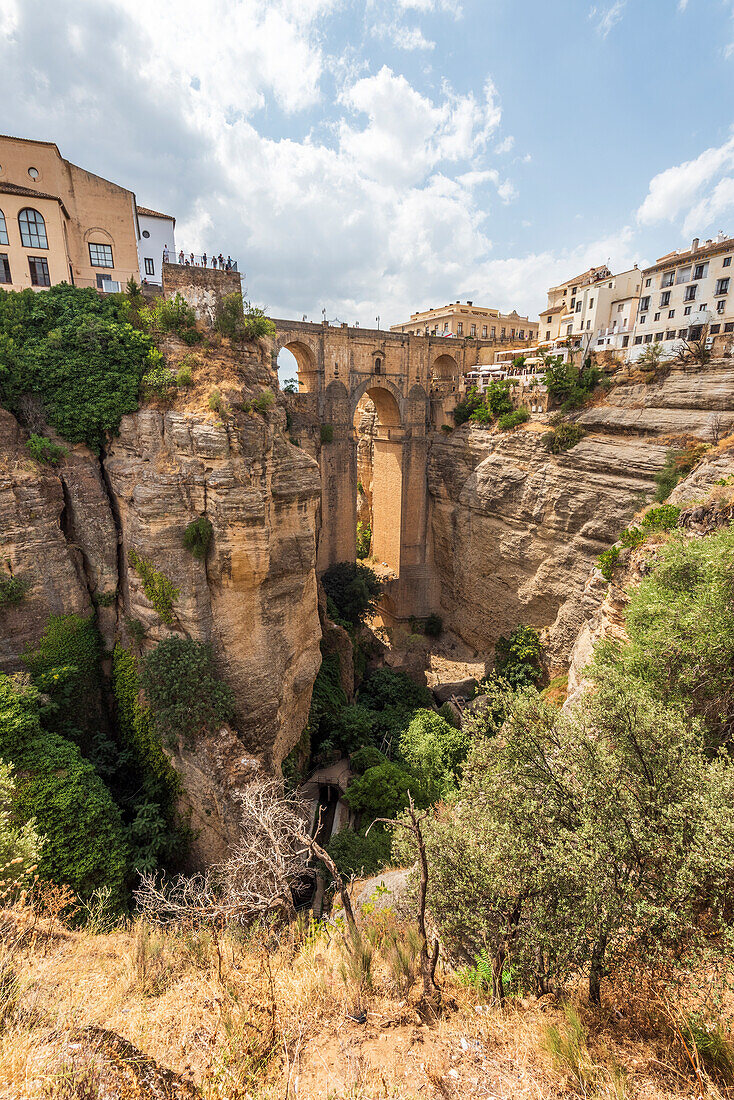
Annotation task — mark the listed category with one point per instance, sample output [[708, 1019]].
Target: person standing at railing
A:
[[203, 259], [166, 256], [221, 262], [229, 263], [181, 257], [191, 256]]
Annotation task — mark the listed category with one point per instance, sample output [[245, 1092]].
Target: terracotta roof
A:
[[30, 192], [554, 309], [154, 213]]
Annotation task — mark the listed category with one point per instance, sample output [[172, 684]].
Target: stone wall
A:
[[201, 287]]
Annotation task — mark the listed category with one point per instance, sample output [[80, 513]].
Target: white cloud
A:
[[678, 190], [506, 145], [402, 37], [606, 18], [451, 6]]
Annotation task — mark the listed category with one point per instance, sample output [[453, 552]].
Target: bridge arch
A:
[[386, 396], [306, 362], [444, 368]]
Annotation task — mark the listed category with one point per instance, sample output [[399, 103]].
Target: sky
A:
[[378, 157]]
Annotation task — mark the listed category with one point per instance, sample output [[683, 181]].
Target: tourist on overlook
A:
[[221, 262], [192, 258], [203, 259], [181, 256], [229, 263], [165, 254]]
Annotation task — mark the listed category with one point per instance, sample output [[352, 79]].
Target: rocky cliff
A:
[[516, 530], [68, 532]]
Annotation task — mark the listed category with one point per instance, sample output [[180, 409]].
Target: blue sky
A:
[[372, 157]]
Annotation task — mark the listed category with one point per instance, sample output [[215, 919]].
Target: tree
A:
[[354, 589], [698, 350], [517, 658], [651, 357], [185, 694], [20, 845], [434, 750]]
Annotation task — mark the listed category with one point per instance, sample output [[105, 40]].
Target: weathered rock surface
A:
[[516, 529]]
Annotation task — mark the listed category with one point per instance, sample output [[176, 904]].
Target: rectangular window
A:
[[715, 330], [690, 294], [484, 332], [638, 339], [588, 324], [720, 306], [620, 308], [460, 328], [547, 334], [665, 299], [729, 326], [494, 332], [521, 334], [548, 321], [3, 230], [445, 326], [658, 336], [625, 341], [648, 338], [670, 334], [644, 303], [656, 317], [668, 278], [648, 282], [643, 320], [687, 311], [473, 330], [700, 271], [5, 276], [100, 255], [682, 275], [591, 303], [682, 332], [671, 314], [149, 266], [569, 330], [722, 286], [727, 261], [39, 271]]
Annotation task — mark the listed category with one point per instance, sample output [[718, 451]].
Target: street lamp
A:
[[377, 318]]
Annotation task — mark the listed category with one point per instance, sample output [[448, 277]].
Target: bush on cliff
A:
[[20, 845], [185, 694], [84, 839], [75, 352], [354, 589], [241, 320]]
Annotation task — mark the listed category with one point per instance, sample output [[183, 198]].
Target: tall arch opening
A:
[[297, 368], [377, 425], [445, 372]]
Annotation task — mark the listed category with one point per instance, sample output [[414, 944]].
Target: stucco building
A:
[[464, 319], [683, 292], [597, 307], [157, 235], [59, 222]]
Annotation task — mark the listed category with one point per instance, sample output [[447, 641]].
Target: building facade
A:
[[464, 319], [685, 292], [597, 307], [157, 236], [59, 222]]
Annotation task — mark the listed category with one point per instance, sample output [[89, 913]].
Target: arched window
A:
[[32, 229], [3, 229], [378, 366]]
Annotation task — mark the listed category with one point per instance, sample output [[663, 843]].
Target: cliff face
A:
[[68, 533], [517, 530]]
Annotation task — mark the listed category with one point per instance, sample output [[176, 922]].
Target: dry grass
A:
[[266, 1016]]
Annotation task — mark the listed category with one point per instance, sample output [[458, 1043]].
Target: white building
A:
[[156, 235], [682, 292]]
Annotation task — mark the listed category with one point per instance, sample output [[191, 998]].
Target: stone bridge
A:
[[404, 376]]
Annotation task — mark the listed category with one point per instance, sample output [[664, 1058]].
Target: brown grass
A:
[[265, 1016]]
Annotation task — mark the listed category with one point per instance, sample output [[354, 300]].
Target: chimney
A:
[[469, 303], [694, 244]]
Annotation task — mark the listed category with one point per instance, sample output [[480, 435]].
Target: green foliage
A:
[[517, 658], [184, 375], [105, 599], [84, 842], [364, 539], [434, 750], [155, 836], [75, 351], [433, 625], [651, 357], [467, 406], [360, 855], [216, 402], [157, 587], [185, 695], [563, 435], [158, 380], [12, 589], [242, 320], [263, 402], [290, 385], [365, 758], [607, 561], [494, 404], [567, 385], [383, 791], [678, 463], [198, 537], [135, 629], [393, 698], [707, 1037], [20, 845], [513, 419], [354, 588], [447, 429], [326, 433], [44, 450], [497, 398], [168, 315]]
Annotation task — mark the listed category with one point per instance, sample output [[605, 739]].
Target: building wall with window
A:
[[157, 232], [33, 243], [464, 319], [685, 291], [99, 217], [596, 307]]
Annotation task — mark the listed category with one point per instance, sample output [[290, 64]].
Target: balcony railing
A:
[[190, 259]]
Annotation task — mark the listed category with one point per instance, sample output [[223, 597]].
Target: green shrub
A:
[[517, 658], [568, 385], [263, 402], [12, 589], [135, 629], [20, 845], [383, 791], [433, 625], [360, 855], [434, 750], [513, 419], [44, 450], [157, 587], [105, 599], [216, 403], [75, 350], [364, 539], [326, 433], [354, 588], [564, 435], [447, 429], [607, 561], [467, 406], [158, 381], [656, 519], [184, 375], [198, 537], [678, 463], [83, 836], [168, 315], [185, 695], [242, 320]]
